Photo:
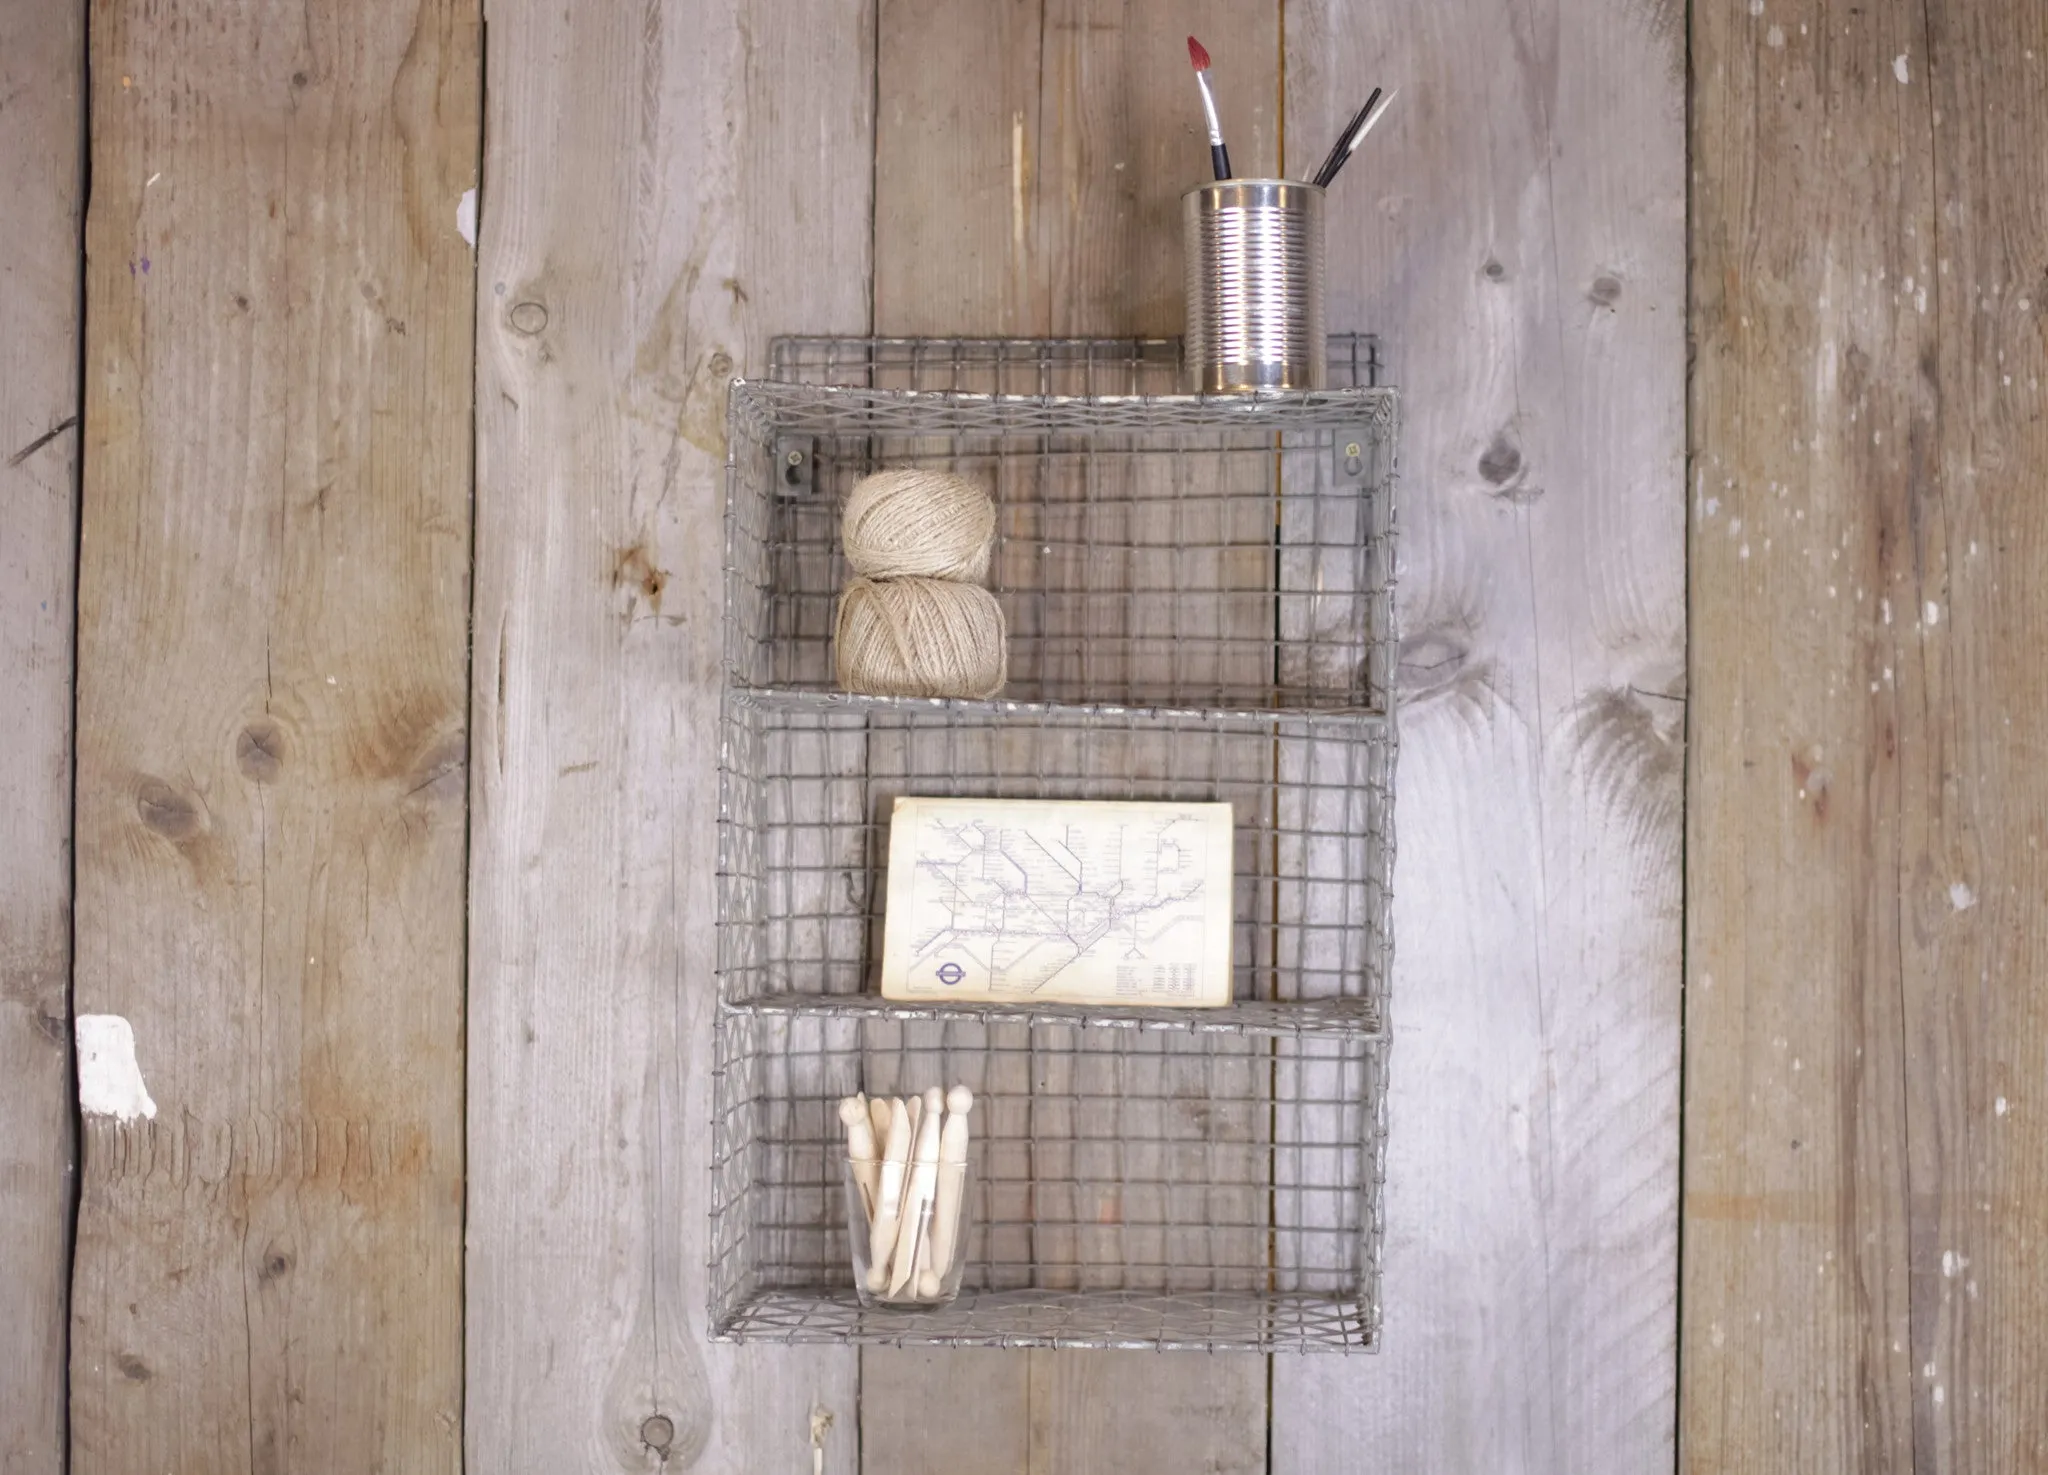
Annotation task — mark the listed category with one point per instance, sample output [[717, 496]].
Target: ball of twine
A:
[[920, 638], [916, 523]]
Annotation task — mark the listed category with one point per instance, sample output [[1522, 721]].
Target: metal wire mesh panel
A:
[[1199, 600], [1130, 1188]]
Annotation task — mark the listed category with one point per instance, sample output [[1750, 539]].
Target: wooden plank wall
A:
[[42, 129], [272, 689], [277, 708], [1867, 1032]]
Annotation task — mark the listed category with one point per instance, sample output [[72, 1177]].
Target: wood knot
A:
[[1605, 291], [636, 571], [163, 809], [1429, 661], [1494, 271], [276, 1263], [1501, 461], [529, 318], [133, 1368], [658, 1432], [259, 750]]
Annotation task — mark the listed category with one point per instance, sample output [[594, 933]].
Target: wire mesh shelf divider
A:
[[1200, 605]]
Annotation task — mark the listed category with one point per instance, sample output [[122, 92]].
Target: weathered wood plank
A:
[[1514, 230], [273, 603], [1056, 141], [669, 188], [1867, 1165], [42, 112]]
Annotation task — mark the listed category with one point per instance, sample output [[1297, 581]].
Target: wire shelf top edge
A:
[[1339, 1019], [808, 700], [768, 406]]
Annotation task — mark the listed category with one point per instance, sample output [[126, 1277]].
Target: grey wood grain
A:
[[668, 188], [272, 669], [1515, 231], [42, 114], [1866, 1120]]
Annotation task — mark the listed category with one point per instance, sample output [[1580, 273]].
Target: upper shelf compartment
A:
[[1153, 549]]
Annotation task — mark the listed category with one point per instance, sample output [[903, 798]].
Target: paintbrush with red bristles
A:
[[1218, 154]]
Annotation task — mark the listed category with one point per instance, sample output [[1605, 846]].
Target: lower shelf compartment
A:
[[1067, 1319], [1167, 1188]]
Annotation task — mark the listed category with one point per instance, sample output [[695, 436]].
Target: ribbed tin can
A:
[[1253, 269]]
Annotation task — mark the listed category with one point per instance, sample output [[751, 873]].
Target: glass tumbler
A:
[[914, 1257]]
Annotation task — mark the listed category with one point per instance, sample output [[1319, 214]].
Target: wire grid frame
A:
[[1199, 596], [1157, 1189]]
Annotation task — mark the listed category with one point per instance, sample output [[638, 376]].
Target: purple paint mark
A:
[[145, 266]]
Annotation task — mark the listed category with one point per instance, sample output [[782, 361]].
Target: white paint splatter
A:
[[1927, 1371], [1961, 897], [1940, 1395], [1775, 38], [1756, 7], [1932, 613], [465, 216], [1999, 1107], [1899, 68], [109, 1081]]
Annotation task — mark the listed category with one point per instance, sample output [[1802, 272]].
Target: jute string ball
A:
[[914, 523], [920, 638]]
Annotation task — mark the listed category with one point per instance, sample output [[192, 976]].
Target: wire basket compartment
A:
[[1151, 549], [809, 783], [1133, 1188]]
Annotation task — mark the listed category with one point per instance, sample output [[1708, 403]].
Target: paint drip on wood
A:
[[109, 1081]]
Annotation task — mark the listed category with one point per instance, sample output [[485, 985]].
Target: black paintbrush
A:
[[1329, 164], [1329, 171]]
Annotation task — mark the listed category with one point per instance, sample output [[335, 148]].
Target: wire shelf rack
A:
[[1199, 598]]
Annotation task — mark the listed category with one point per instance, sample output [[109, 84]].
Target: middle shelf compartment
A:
[[809, 779]]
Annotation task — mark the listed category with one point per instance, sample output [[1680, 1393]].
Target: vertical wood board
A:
[[272, 667], [666, 189], [1866, 1165], [1028, 173], [42, 100], [1514, 231]]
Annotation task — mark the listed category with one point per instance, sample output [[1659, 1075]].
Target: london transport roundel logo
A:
[[951, 973]]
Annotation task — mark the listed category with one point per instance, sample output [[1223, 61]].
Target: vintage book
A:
[[1066, 901]]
